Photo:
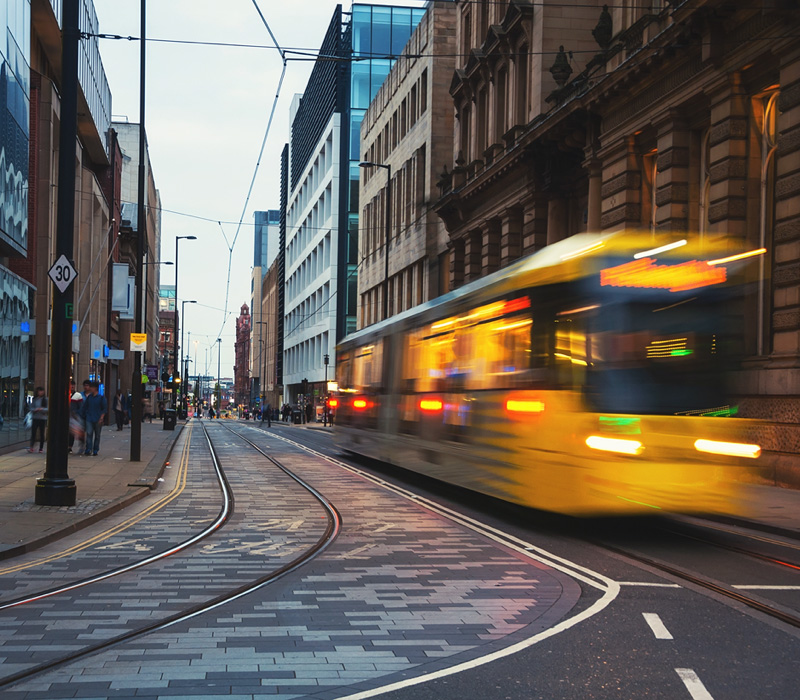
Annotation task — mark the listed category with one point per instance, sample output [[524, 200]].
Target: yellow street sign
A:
[[138, 342]]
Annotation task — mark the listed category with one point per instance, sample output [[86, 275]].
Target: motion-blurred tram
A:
[[590, 378]]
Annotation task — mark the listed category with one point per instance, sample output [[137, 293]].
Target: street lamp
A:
[[175, 329], [388, 168], [175, 361], [325, 359], [219, 385]]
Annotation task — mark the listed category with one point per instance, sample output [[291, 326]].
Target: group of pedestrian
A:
[[87, 411]]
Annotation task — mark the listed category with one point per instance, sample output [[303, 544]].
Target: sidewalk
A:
[[110, 481], [104, 484]]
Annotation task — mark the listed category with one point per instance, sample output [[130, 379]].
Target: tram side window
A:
[[344, 370], [425, 361], [572, 353], [502, 353], [367, 367]]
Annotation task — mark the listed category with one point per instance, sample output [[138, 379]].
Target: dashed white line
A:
[[693, 684], [648, 584], [659, 628]]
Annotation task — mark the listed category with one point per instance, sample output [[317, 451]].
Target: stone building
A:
[[241, 368], [406, 135], [663, 116]]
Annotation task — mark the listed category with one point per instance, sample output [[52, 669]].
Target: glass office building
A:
[[321, 209], [16, 295]]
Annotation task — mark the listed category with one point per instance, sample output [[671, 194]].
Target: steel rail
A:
[[332, 530]]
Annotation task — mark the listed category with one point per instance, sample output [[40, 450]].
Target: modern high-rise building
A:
[[321, 249]]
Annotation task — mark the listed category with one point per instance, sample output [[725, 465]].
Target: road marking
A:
[[693, 684], [177, 490], [652, 585], [767, 588], [608, 587], [659, 629]]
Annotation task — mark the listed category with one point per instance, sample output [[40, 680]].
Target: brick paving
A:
[[401, 590]]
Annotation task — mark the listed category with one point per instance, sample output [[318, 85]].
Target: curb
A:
[[138, 490]]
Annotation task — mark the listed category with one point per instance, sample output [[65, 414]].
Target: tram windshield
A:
[[663, 357]]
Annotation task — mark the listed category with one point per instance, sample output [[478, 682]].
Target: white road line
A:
[[767, 588], [693, 684], [659, 628], [648, 584]]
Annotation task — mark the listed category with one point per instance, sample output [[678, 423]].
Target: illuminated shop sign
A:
[[677, 278]]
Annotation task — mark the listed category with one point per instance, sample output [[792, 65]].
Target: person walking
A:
[[120, 408], [93, 411], [77, 432], [38, 418], [267, 414]]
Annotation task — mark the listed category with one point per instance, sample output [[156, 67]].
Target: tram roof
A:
[[563, 261]]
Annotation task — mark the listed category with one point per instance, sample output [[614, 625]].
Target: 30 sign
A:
[[62, 273]]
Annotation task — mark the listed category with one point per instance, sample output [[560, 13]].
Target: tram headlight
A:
[[607, 444], [729, 449]]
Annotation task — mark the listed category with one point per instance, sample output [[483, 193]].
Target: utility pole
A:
[[219, 384], [55, 488], [141, 243]]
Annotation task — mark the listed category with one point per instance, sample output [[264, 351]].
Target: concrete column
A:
[[786, 244], [473, 249], [594, 166], [622, 187], [672, 180], [534, 225], [510, 236], [457, 263], [727, 211], [490, 250], [556, 220]]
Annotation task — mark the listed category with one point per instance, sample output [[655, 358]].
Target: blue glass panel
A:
[[380, 69], [401, 28], [361, 25], [356, 117], [360, 96], [381, 30], [416, 15]]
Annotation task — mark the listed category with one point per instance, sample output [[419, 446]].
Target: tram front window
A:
[[663, 358]]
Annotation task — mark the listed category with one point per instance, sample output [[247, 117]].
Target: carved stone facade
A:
[[407, 130], [671, 117]]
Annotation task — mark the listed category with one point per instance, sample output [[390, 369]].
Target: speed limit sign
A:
[[62, 273]]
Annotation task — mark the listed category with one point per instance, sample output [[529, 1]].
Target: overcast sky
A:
[[207, 110]]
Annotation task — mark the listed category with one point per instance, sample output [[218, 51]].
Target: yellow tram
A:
[[589, 378]]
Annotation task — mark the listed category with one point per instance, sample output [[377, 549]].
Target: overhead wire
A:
[[257, 166]]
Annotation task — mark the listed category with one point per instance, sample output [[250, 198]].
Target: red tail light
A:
[[431, 405], [359, 404], [333, 403]]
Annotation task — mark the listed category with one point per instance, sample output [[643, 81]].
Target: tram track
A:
[[772, 610], [329, 534]]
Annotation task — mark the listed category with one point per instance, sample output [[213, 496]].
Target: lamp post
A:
[[175, 362], [219, 385], [388, 168], [183, 306], [325, 359]]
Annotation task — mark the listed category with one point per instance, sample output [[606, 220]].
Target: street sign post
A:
[[62, 273]]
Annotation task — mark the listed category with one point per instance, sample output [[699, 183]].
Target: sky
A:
[[207, 111]]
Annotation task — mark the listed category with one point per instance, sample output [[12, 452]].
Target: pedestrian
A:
[[267, 413], [38, 418], [120, 408], [211, 412], [147, 409], [77, 432], [93, 411], [161, 410]]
